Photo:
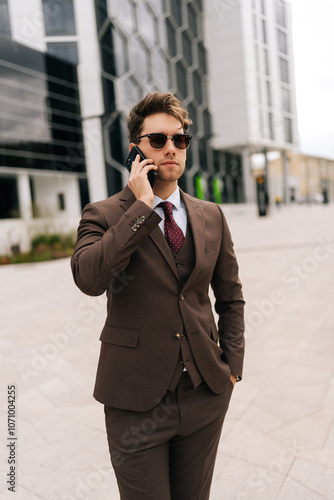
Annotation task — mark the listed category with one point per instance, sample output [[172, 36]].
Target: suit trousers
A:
[[169, 452]]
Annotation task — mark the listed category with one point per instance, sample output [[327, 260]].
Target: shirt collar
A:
[[174, 198]]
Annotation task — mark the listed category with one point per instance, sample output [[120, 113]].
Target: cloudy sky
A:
[[313, 41]]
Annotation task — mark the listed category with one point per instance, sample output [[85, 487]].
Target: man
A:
[[164, 380]]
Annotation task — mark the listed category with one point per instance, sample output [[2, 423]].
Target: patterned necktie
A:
[[173, 232]]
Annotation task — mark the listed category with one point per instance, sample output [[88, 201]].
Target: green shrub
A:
[[44, 247]]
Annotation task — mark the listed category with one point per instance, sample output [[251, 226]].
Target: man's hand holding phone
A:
[[142, 176]]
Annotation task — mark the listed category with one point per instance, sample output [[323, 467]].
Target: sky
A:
[[313, 44]]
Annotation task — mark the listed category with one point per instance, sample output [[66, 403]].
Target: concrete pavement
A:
[[278, 437]]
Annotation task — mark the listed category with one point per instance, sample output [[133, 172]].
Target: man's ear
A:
[[131, 145]]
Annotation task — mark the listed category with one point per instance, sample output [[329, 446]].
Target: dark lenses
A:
[[181, 141], [158, 141]]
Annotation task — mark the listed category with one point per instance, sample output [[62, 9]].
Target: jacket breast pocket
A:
[[120, 336], [212, 246]]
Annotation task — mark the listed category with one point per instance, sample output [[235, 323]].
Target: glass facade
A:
[[147, 46], [40, 120]]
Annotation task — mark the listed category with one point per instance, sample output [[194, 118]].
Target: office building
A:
[[251, 82]]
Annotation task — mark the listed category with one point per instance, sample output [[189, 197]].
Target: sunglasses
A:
[[158, 141]]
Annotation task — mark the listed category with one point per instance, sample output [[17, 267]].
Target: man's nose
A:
[[169, 146]]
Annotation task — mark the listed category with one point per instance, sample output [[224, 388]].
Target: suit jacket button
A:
[[176, 335], [181, 297]]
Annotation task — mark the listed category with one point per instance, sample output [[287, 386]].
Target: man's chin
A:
[[169, 176]]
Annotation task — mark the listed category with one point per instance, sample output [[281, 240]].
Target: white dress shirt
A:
[[179, 210]]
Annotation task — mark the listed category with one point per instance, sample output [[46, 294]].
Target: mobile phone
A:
[[152, 175]]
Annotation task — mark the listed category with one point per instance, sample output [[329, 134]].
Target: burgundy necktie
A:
[[173, 232]]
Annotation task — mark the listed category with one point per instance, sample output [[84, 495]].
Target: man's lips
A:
[[171, 163]]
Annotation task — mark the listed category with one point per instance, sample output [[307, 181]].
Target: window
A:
[[259, 91], [282, 42], [9, 200], [107, 52], [280, 13], [192, 20], [101, 11], [171, 38], [140, 60], [263, 9], [160, 70], [261, 124], [284, 70], [264, 31], [202, 56], [147, 24], [255, 26], [193, 115], [67, 51], [286, 101], [61, 201], [187, 48], [271, 126], [268, 88], [132, 92], [266, 62], [181, 76], [198, 88], [257, 58], [123, 11], [176, 6], [120, 53], [59, 17], [4, 18], [158, 5], [288, 130]]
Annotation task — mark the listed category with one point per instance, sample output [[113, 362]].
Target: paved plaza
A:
[[278, 437]]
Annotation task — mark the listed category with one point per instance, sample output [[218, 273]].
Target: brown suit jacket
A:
[[121, 251]]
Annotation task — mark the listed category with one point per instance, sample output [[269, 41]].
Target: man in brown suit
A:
[[165, 373]]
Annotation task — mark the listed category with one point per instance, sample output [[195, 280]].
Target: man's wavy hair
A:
[[156, 102]]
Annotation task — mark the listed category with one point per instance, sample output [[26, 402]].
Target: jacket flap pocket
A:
[[120, 336], [214, 332]]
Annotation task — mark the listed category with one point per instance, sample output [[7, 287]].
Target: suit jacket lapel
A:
[[196, 221], [127, 198], [160, 241]]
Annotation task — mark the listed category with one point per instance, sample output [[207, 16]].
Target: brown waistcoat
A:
[[185, 263]]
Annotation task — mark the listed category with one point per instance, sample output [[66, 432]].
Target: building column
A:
[[95, 162], [24, 193], [285, 177], [247, 176]]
